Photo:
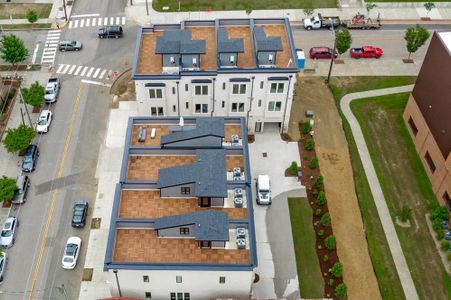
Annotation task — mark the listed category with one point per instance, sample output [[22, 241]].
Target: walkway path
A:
[[379, 199]]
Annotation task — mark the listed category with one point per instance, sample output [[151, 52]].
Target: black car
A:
[[30, 158], [110, 32], [79, 213]]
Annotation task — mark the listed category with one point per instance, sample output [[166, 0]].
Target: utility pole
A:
[[117, 281], [332, 57], [147, 7]]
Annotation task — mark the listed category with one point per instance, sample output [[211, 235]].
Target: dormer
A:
[[228, 49], [267, 48]]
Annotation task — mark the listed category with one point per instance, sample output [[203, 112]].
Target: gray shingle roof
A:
[[226, 45], [208, 173], [210, 225], [204, 127], [264, 43], [180, 42]]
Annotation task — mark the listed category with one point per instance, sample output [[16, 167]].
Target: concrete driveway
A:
[[276, 259]]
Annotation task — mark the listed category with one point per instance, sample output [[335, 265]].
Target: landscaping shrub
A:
[[293, 169], [320, 233], [313, 164], [321, 199], [341, 290], [439, 212], [325, 220], [325, 258], [445, 246], [440, 235], [315, 192], [437, 224], [330, 282], [337, 270], [330, 242], [18, 138], [306, 127], [309, 145], [305, 156], [318, 212], [7, 188], [319, 181], [405, 213]]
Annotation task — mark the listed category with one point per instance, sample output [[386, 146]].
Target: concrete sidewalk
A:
[[376, 190]]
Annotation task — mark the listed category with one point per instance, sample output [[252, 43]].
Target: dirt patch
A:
[[333, 155]]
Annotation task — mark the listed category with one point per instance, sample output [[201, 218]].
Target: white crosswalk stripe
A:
[[102, 74], [97, 21], [105, 21], [111, 20], [50, 47], [83, 71], [123, 20], [96, 73], [71, 70], [78, 70], [82, 23], [75, 23], [90, 72], [100, 21], [60, 67], [94, 21]]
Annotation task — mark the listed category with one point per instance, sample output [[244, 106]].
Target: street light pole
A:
[[333, 51], [117, 281], [64, 7]]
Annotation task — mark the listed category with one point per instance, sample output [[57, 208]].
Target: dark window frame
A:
[[147, 295], [184, 230], [413, 126], [146, 278], [222, 279], [185, 190], [430, 162]]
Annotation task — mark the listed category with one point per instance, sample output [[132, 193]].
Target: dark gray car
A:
[[30, 158], [70, 46], [22, 185], [79, 213]]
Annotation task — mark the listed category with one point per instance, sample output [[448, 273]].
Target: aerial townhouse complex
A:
[[182, 222], [226, 67]]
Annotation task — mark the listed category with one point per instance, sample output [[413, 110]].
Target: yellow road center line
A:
[[55, 192]]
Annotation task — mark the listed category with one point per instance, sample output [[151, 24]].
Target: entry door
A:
[[258, 126], [205, 202]]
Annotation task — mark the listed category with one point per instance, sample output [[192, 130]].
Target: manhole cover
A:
[[265, 154], [87, 274]]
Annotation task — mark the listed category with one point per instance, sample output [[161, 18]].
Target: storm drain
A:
[[87, 274], [95, 223]]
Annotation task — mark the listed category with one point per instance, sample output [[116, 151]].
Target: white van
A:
[[263, 190]]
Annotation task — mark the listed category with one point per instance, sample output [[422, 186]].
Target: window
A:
[[205, 244], [413, 127], [237, 107], [201, 108], [185, 190], [156, 93], [156, 111], [173, 90], [178, 279], [173, 108], [259, 102], [222, 279], [447, 199], [274, 106], [173, 296], [201, 90], [148, 295], [184, 231], [146, 278], [179, 296], [186, 105], [223, 85], [277, 87], [186, 296], [223, 104], [186, 87], [430, 162], [261, 84], [239, 88]]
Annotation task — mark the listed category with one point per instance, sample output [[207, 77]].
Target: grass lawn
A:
[[201, 5], [309, 272], [26, 26], [19, 10], [404, 182], [405, 1]]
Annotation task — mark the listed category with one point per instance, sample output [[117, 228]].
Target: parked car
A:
[[70, 46], [44, 121], [22, 186], [9, 232], [3, 261], [71, 253], [80, 212], [110, 32], [366, 51], [448, 235], [52, 90], [322, 52], [30, 158]]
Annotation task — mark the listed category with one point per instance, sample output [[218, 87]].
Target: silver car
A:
[[8, 232], [3, 261]]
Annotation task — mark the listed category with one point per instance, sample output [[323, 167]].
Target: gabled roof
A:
[[208, 174], [179, 42], [226, 45], [264, 43], [210, 225], [204, 127]]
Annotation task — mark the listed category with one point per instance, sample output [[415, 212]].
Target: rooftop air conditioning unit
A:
[[241, 243], [172, 60], [270, 58], [238, 201], [238, 192], [237, 172], [232, 59], [235, 139], [241, 232], [194, 62]]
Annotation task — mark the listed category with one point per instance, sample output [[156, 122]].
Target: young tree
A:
[[325, 220], [7, 188], [415, 38], [341, 290], [32, 16], [429, 6], [330, 242], [34, 95], [369, 7], [12, 49], [343, 40], [337, 270], [18, 138], [248, 8]]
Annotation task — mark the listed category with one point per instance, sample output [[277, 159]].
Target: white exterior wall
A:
[[257, 113], [201, 285]]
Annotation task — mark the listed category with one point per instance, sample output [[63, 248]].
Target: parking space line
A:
[[96, 73], [84, 71], [72, 69], [90, 72], [78, 70], [60, 68]]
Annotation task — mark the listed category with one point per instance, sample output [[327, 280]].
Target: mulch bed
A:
[[6, 204], [7, 110]]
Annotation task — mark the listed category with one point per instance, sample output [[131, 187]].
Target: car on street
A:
[[366, 52], [71, 253], [3, 261], [110, 32], [70, 46], [8, 232], [79, 214], [30, 158], [322, 52], [52, 90], [44, 121], [22, 186]]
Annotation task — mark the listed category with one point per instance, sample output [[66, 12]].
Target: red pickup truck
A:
[[366, 51]]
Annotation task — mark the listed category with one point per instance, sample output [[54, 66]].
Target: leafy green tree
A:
[[12, 49], [330, 242], [293, 168], [439, 212], [32, 16], [321, 199], [325, 220], [337, 270], [343, 40], [415, 38], [429, 6], [34, 95], [248, 8], [18, 138], [7, 188], [308, 10], [341, 290]]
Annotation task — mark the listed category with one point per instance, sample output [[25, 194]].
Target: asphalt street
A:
[[64, 175]]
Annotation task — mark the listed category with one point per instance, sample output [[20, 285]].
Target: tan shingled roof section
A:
[[284, 56], [207, 60], [146, 166], [246, 59], [143, 245], [229, 130], [148, 204], [233, 161], [160, 130], [148, 61]]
